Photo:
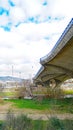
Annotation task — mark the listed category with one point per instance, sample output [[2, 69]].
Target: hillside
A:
[[10, 78]]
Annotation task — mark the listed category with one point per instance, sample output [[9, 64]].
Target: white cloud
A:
[[33, 31], [4, 4], [17, 15], [63, 8], [33, 7], [4, 19]]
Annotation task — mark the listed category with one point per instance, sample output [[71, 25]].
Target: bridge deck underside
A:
[[60, 67]]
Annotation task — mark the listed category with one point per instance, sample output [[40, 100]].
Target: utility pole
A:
[[20, 75], [12, 70]]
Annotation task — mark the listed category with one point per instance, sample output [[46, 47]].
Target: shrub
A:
[[1, 101], [17, 123], [23, 123], [55, 124], [56, 92]]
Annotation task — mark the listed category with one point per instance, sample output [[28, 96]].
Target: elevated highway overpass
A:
[[57, 66]]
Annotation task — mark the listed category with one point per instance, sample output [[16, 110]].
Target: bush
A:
[[16, 123], [57, 93], [23, 123], [1, 101], [55, 124], [68, 124]]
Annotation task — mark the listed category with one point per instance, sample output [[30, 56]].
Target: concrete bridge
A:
[[57, 66]]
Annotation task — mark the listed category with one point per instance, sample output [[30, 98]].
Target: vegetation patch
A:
[[23, 123], [70, 91], [57, 105]]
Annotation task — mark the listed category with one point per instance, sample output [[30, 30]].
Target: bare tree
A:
[[1, 89], [20, 92]]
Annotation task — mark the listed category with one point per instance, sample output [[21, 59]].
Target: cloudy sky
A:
[[28, 31]]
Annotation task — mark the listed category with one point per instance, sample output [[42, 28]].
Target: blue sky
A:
[[28, 31]]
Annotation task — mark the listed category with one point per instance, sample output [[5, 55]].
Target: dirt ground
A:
[[34, 114]]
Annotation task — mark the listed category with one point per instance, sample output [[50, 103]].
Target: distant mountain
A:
[[10, 78]]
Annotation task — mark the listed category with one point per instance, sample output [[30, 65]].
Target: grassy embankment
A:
[[56, 105]]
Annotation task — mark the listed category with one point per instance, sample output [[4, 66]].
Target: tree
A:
[[1, 90], [54, 92], [20, 92], [1, 87]]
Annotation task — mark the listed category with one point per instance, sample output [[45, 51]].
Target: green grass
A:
[[1, 122], [58, 105], [7, 94], [33, 104], [1, 94], [68, 91]]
